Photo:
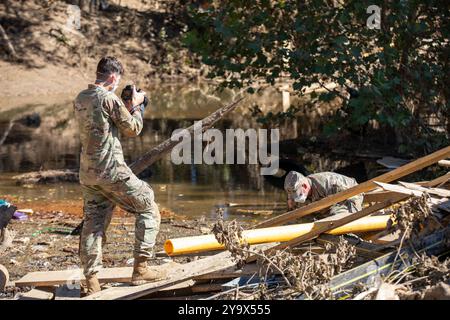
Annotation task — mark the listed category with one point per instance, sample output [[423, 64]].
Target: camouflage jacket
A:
[[324, 184], [101, 115]]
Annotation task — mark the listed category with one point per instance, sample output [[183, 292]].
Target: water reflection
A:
[[186, 189]]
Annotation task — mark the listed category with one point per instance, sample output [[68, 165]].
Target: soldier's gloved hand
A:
[[139, 101], [137, 97]]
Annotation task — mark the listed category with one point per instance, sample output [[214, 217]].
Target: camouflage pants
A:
[[351, 205], [132, 195]]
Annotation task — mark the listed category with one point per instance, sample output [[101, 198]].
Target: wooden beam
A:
[[379, 195], [360, 188], [436, 191], [399, 189], [333, 222], [4, 277]]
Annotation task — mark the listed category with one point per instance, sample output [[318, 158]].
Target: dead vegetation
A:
[[308, 273], [412, 216]]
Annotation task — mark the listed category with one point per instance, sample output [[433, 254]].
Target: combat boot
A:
[[92, 284], [143, 273]]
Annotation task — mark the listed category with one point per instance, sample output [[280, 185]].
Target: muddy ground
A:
[[43, 242]]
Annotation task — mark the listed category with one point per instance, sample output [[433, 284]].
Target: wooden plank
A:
[[228, 273], [358, 189], [52, 278], [329, 223], [444, 163], [333, 222], [391, 162], [379, 196], [178, 274], [436, 182], [436, 191], [35, 294], [399, 189], [370, 272], [163, 148], [4, 277], [363, 248]]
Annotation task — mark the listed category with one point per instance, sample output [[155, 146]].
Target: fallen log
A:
[[47, 176]]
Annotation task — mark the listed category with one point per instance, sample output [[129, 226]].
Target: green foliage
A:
[[396, 76]]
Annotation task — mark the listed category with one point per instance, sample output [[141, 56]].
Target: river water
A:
[[44, 136]]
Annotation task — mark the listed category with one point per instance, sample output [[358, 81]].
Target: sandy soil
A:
[[57, 61]]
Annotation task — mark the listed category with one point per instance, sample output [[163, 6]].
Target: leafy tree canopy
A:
[[396, 75]]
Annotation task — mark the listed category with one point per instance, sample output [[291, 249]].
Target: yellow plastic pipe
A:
[[272, 234]]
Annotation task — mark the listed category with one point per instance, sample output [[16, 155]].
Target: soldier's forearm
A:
[[133, 126]]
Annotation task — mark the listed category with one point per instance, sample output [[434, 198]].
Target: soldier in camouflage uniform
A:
[[320, 185], [106, 180]]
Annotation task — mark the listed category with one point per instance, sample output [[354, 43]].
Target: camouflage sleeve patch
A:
[[130, 125]]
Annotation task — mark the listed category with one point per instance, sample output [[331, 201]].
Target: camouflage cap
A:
[[292, 183]]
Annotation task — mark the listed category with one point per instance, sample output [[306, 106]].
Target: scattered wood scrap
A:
[[46, 176], [178, 274]]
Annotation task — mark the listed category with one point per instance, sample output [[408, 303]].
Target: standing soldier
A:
[[106, 180], [320, 185]]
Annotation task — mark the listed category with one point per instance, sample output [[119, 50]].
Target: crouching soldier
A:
[[106, 180], [320, 185]]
